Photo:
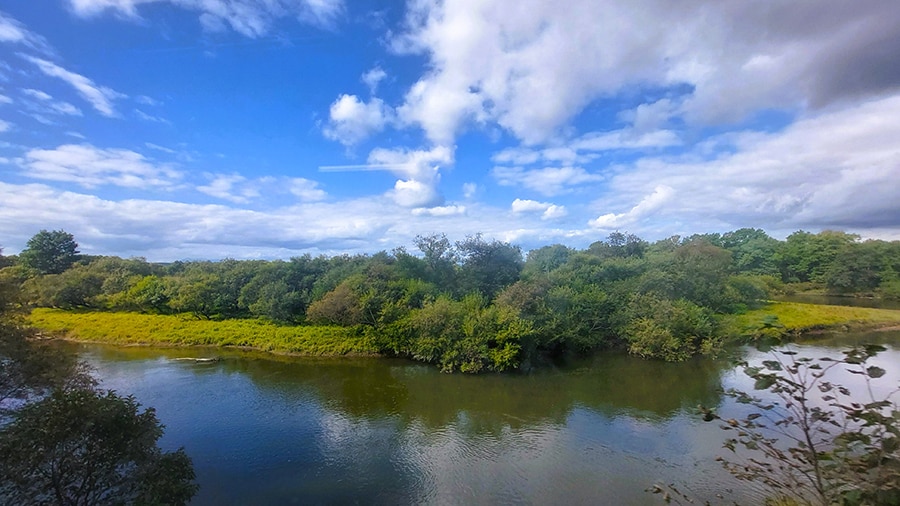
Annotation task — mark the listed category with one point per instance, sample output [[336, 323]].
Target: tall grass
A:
[[779, 318], [182, 330]]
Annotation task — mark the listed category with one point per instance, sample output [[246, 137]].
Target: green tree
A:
[[50, 252], [87, 447], [488, 266], [440, 260]]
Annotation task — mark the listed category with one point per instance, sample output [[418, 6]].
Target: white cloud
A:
[[100, 97], [439, 211], [531, 66], [165, 230], [547, 210], [352, 120], [11, 30], [833, 170], [46, 104], [420, 171], [373, 77], [5, 126], [646, 207], [548, 181], [625, 139], [38, 94], [251, 18], [65, 108], [89, 167], [587, 147], [5, 100], [144, 99], [149, 117], [307, 190], [469, 190], [413, 193], [222, 186]]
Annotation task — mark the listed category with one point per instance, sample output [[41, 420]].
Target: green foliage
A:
[[76, 287], [62, 441], [669, 330], [890, 289], [572, 301], [467, 336], [817, 442], [488, 267], [29, 368], [90, 447], [50, 252]]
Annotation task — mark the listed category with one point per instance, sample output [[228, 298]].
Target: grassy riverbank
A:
[[783, 318], [167, 330]]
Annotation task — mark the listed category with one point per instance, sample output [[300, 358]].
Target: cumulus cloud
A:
[[100, 97], [548, 211], [89, 166], [833, 170], [419, 170], [549, 181], [351, 120], [531, 66], [414, 193], [251, 18]]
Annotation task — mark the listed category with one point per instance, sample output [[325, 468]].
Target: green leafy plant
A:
[[813, 440]]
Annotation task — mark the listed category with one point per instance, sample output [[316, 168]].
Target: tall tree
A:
[[50, 252], [90, 447]]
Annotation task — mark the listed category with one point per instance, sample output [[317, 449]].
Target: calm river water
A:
[[277, 430]]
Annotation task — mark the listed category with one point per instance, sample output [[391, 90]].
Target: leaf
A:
[[764, 382], [873, 349], [772, 365], [875, 372]]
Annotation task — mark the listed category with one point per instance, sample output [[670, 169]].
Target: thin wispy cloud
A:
[[101, 98]]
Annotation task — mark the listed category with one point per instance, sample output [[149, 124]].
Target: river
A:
[[263, 429]]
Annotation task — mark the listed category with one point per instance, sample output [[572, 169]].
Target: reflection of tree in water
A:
[[612, 384]]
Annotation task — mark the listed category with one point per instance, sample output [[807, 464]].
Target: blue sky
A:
[[176, 129]]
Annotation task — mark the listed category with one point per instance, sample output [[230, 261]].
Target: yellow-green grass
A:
[[797, 318], [183, 330]]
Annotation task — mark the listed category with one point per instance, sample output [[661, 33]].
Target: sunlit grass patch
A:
[[183, 330], [779, 318]]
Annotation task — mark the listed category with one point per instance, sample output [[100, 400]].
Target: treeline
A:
[[477, 304]]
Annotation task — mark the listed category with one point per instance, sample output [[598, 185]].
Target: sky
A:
[[205, 129]]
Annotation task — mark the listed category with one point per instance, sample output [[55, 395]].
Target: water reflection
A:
[[278, 430]]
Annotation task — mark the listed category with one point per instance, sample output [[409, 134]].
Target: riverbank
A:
[[778, 319], [180, 330]]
